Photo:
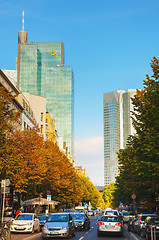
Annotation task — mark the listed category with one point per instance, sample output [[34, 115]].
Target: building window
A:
[[47, 137], [41, 128], [42, 116], [47, 126], [24, 125]]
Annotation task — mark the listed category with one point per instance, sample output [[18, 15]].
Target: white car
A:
[[25, 222]]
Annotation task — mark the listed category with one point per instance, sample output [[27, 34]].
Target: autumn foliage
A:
[[35, 166]]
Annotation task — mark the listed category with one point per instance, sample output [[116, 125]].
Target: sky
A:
[[109, 45]]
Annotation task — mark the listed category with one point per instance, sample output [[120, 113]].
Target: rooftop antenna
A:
[[23, 22]]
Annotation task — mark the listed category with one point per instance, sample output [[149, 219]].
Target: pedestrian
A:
[[18, 211]]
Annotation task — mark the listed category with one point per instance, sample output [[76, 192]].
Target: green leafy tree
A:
[[139, 168]]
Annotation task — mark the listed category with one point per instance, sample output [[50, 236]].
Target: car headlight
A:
[[30, 223], [45, 227], [65, 228]]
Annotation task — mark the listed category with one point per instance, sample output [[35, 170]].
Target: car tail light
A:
[[122, 216], [133, 222], [101, 223], [118, 224], [149, 227]]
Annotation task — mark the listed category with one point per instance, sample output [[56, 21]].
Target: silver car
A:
[[58, 225], [109, 224]]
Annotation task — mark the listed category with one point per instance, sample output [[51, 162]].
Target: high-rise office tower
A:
[[41, 71], [117, 128]]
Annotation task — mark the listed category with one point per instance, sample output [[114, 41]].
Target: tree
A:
[[108, 194], [138, 163], [8, 120]]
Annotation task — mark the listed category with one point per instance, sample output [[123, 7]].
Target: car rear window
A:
[[78, 216], [110, 213], [58, 218], [109, 219]]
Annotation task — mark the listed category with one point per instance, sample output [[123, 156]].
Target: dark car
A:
[[42, 220], [140, 220], [150, 227], [126, 216], [81, 221]]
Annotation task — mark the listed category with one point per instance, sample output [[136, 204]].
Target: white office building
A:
[[117, 128]]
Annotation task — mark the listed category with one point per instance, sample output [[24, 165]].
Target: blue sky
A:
[[109, 44]]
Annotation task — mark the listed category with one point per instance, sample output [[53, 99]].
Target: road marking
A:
[[133, 235], [81, 238]]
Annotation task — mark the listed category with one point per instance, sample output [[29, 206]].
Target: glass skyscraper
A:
[[117, 128], [41, 71]]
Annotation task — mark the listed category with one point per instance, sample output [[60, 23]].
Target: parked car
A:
[[109, 224], [81, 221], [126, 216], [25, 222], [59, 225], [90, 213], [150, 226], [42, 220], [140, 220], [131, 223]]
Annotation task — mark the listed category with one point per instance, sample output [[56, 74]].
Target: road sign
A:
[[49, 197], [7, 189], [121, 205], [133, 196], [5, 182]]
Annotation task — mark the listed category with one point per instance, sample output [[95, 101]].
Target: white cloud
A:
[[89, 146], [90, 154]]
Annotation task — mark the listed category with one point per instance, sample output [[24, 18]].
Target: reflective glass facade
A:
[[43, 73], [117, 128]]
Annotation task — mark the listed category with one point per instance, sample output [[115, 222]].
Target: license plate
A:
[[19, 227], [54, 232]]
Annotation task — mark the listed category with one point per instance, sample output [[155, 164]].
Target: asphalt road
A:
[[82, 235]]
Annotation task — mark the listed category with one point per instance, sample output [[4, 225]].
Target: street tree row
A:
[[139, 162], [35, 166]]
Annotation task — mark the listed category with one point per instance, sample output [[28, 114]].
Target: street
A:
[[82, 235]]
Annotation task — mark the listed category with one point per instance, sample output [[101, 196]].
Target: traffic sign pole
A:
[[3, 204]]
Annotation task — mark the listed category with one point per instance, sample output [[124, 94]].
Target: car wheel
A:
[[32, 230], [99, 234], [43, 238], [142, 234], [74, 233], [147, 236]]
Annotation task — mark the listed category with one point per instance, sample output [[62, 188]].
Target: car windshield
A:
[[58, 218], [109, 219], [43, 217], [24, 217], [155, 220], [78, 216], [126, 213]]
